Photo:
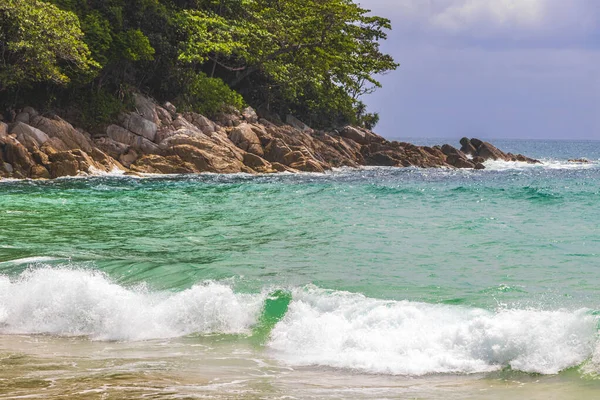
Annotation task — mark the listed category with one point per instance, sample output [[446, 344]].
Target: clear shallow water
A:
[[370, 283]]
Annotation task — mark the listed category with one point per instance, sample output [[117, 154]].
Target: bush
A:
[[205, 95], [96, 109]]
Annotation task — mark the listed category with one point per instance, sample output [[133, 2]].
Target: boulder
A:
[[164, 116], [129, 138], [296, 123], [146, 108], [282, 168], [16, 154], [121, 135], [40, 157], [61, 129], [180, 122], [31, 111], [155, 164], [128, 158], [448, 150], [201, 122], [276, 151], [246, 139], [64, 163], [479, 166], [459, 161], [3, 130], [257, 163], [8, 168], [307, 165], [22, 117], [29, 136], [111, 147], [105, 162], [476, 142], [467, 147], [487, 151], [39, 172], [354, 134], [229, 118], [383, 159], [170, 108], [193, 156], [139, 125], [72, 163], [294, 157], [250, 115]]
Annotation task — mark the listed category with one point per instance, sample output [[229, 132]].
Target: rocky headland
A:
[[159, 140]]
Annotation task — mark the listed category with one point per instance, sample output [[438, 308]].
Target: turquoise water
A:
[[373, 273]]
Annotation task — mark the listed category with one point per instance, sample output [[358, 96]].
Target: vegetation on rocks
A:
[[313, 59]]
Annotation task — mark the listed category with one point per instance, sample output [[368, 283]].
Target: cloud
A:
[[512, 22], [496, 68]]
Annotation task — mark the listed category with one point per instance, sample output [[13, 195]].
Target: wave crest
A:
[[71, 302], [344, 330]]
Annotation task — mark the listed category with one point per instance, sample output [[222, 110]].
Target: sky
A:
[[490, 68]]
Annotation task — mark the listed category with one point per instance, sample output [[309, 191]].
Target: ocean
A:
[[357, 284]]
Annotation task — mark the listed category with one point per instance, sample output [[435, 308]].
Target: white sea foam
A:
[[325, 328], [115, 171], [69, 302], [346, 330], [29, 260], [498, 165]]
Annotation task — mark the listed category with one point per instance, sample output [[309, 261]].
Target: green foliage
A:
[[206, 95], [98, 36], [206, 34], [97, 108], [135, 46], [40, 43], [312, 58]]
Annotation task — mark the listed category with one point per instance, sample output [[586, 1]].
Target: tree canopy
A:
[[312, 58]]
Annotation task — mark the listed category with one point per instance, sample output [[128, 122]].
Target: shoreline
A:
[[158, 140]]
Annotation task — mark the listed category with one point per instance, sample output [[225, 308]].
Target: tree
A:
[[40, 43], [294, 52]]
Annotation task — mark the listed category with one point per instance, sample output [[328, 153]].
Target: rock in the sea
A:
[[257, 163], [488, 151], [467, 147], [459, 161], [39, 172]]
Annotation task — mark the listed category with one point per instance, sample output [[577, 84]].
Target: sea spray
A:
[[345, 330], [75, 302]]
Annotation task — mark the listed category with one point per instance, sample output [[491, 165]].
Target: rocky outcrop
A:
[[159, 140], [484, 151]]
